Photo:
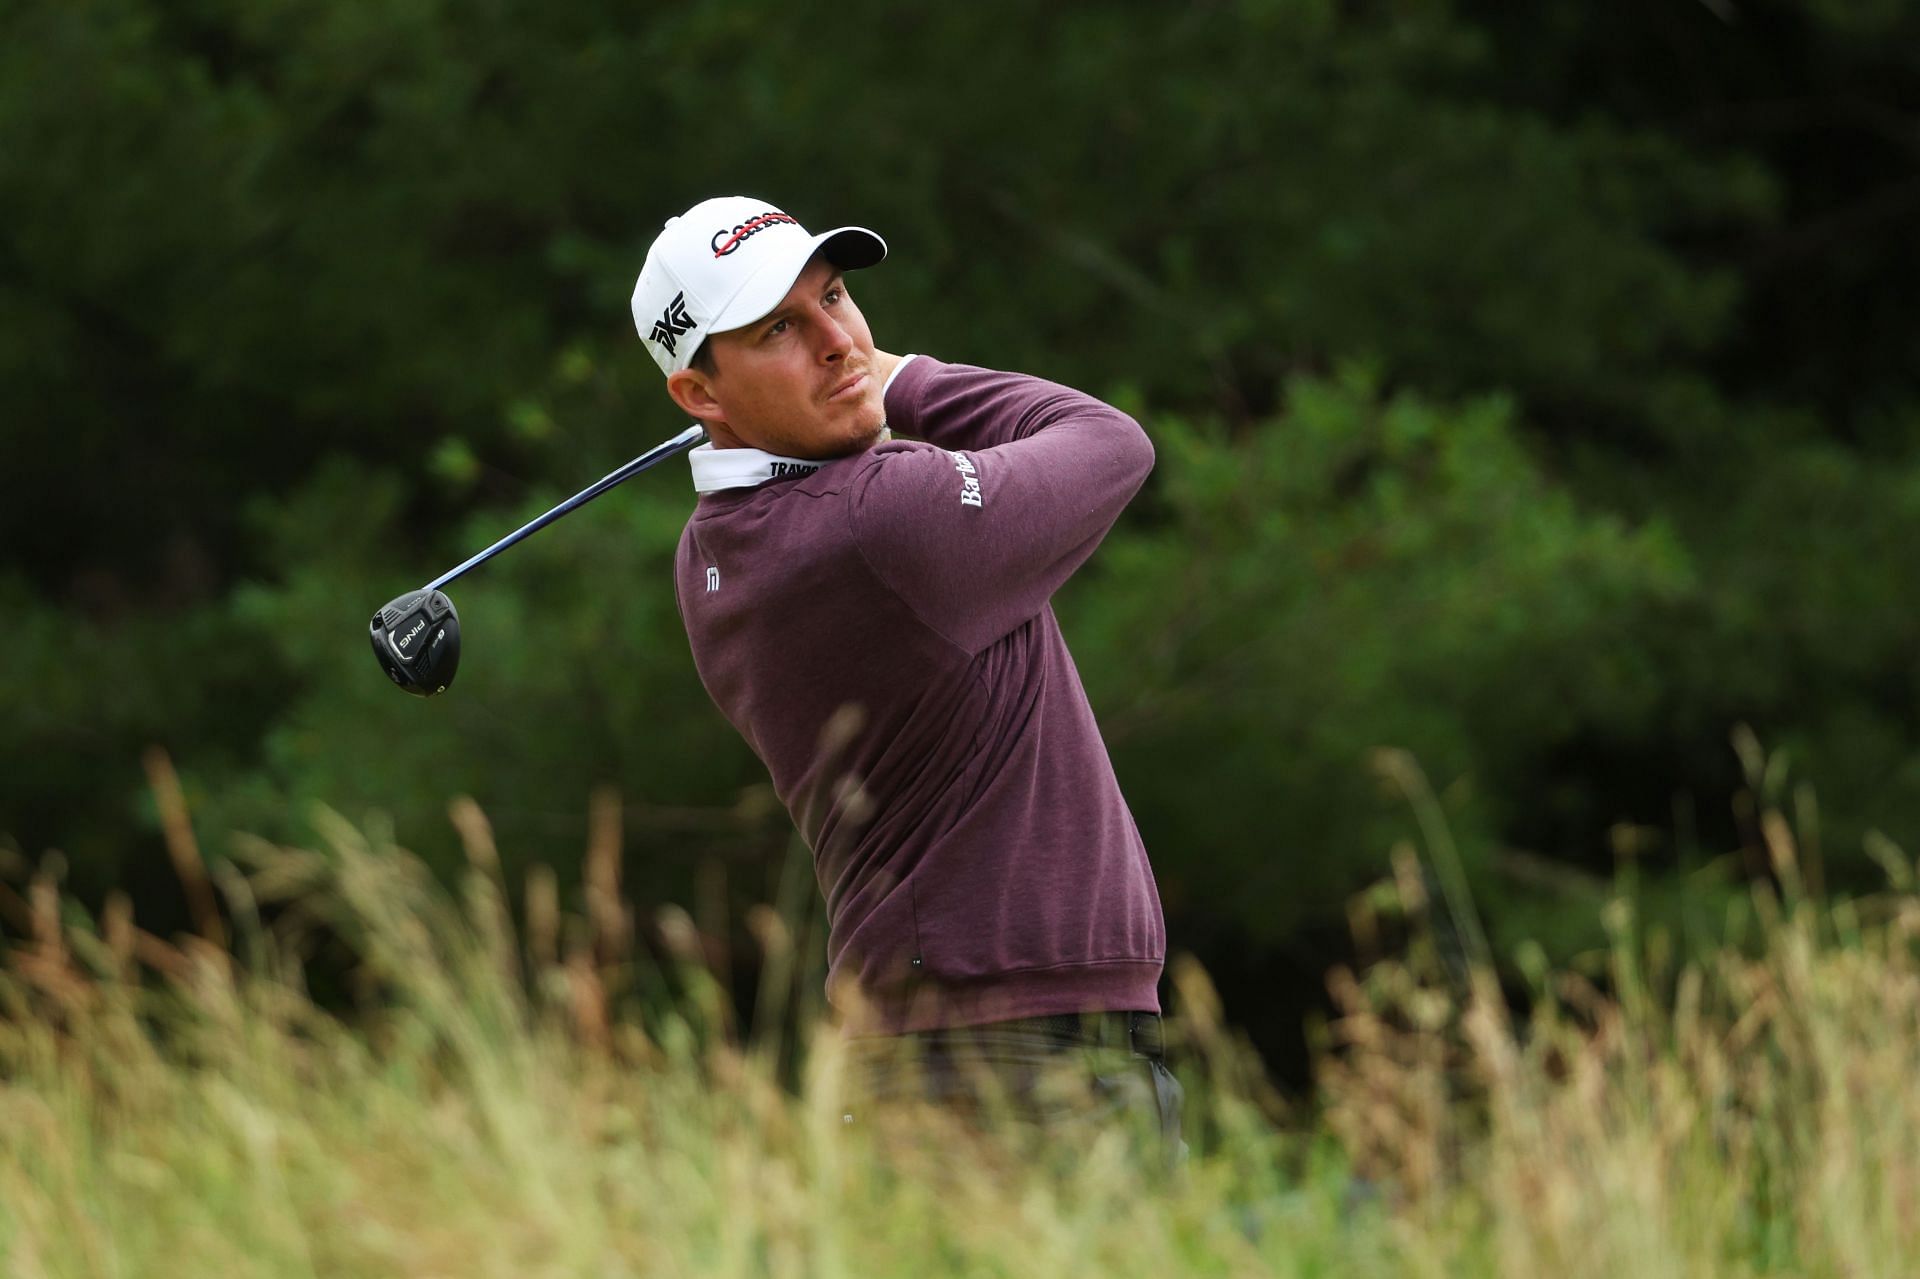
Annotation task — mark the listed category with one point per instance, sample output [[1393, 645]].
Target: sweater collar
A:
[[716, 469]]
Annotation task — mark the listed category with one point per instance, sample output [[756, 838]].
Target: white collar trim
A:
[[716, 469], [904, 361]]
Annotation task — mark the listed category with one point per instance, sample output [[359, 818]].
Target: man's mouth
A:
[[850, 387]]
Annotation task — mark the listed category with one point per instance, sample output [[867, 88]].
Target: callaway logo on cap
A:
[[723, 264]]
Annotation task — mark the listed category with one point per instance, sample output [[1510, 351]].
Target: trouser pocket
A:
[[1169, 1096]]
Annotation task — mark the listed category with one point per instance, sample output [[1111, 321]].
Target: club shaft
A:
[[686, 439]]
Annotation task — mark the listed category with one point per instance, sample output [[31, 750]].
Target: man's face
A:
[[798, 382]]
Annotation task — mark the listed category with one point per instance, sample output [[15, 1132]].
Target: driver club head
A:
[[416, 636]]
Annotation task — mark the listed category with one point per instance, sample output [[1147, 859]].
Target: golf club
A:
[[416, 636]]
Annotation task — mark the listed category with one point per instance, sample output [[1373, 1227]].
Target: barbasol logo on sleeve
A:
[[969, 479], [726, 240]]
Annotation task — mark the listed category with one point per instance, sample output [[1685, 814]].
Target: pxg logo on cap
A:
[[672, 323], [723, 264]]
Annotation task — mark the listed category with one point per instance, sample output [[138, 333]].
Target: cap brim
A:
[[850, 248]]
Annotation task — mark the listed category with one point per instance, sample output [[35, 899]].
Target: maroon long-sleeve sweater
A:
[[878, 629]]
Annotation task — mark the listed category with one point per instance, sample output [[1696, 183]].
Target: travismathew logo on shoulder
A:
[[672, 323], [969, 479], [780, 470]]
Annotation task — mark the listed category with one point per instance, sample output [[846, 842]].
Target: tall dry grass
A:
[[176, 1107]]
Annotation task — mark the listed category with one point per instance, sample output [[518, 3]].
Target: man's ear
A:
[[693, 392]]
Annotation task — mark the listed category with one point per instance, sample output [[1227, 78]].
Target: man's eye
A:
[[833, 295], [776, 328]]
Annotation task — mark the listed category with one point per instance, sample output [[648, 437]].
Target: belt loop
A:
[[1147, 1027]]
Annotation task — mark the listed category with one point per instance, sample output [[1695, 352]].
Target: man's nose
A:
[[834, 340]]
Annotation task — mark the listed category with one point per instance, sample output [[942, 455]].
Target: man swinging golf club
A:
[[871, 614]]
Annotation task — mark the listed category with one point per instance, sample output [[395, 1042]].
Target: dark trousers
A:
[[1075, 1071]]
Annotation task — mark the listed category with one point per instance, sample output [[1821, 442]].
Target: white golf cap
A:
[[725, 263]]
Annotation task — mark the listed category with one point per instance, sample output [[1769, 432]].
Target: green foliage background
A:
[[1533, 385]]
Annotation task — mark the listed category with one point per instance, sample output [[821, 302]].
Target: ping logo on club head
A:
[[672, 323], [410, 636]]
